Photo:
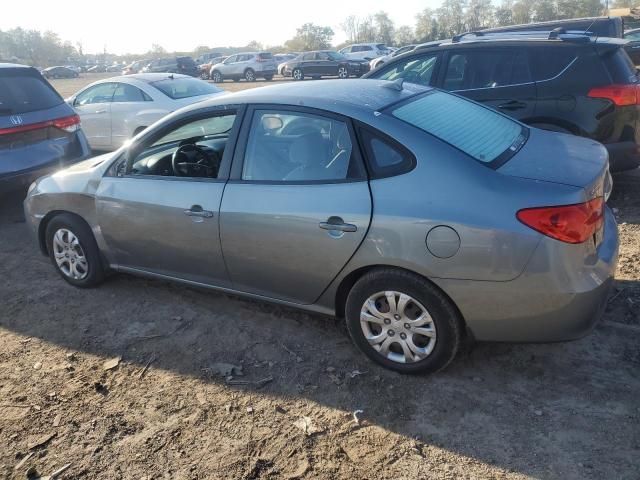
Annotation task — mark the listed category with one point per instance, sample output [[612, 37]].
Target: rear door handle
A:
[[197, 211], [512, 105], [101, 111], [336, 223]]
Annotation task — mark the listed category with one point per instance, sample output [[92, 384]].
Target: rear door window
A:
[[486, 69], [480, 132], [128, 93], [22, 91], [265, 56]]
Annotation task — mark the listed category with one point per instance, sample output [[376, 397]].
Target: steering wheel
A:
[[190, 160]]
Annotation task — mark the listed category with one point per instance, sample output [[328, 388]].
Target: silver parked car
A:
[[248, 65], [419, 216]]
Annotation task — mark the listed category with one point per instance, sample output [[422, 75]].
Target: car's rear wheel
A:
[[204, 75], [343, 72], [250, 75], [297, 74], [73, 251], [216, 77], [403, 322]]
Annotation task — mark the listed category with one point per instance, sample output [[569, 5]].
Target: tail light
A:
[[567, 223], [68, 124], [621, 95]]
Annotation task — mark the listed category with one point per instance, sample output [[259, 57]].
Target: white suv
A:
[[365, 51]]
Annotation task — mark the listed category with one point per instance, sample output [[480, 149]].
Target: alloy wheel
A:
[[69, 255], [398, 327], [343, 72], [217, 77], [250, 76], [297, 74]]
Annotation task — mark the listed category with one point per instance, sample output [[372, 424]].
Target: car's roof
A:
[[340, 96], [148, 77], [13, 65]]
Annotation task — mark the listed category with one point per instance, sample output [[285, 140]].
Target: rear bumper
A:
[[560, 295], [37, 160], [623, 156]]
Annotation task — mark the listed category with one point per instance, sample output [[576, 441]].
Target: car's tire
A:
[[216, 77], [297, 74], [425, 321], [204, 75], [343, 72], [268, 78], [249, 75], [73, 251]]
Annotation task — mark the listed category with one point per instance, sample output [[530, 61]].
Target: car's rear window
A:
[[177, 88], [620, 66], [22, 91], [478, 131], [265, 56]]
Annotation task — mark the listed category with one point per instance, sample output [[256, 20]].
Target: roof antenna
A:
[[170, 76], [394, 85]]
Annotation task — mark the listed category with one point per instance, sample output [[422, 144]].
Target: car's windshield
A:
[[184, 87], [336, 56], [22, 91], [476, 130]]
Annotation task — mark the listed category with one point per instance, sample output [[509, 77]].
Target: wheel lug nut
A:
[[403, 336], [396, 316], [387, 321], [391, 333], [407, 326]]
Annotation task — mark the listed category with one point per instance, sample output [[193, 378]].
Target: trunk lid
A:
[[564, 159]]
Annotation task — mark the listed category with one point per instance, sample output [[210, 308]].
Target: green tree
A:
[[310, 37], [544, 10], [385, 28], [478, 15], [522, 11], [426, 26], [404, 35]]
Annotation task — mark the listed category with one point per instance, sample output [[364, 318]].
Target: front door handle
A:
[[336, 223], [197, 211], [512, 105]]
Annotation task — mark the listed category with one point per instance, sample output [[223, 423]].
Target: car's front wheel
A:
[[216, 77], [297, 74], [403, 322], [73, 251], [343, 72]]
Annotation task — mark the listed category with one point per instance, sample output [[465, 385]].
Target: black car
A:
[[184, 65], [633, 47], [564, 82], [38, 130], [59, 72], [324, 63], [611, 27]]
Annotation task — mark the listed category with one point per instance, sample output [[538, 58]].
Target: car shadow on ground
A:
[[550, 411]]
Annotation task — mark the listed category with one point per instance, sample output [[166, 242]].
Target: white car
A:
[[365, 51], [376, 62], [115, 109]]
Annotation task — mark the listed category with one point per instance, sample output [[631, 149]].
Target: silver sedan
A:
[[420, 217]]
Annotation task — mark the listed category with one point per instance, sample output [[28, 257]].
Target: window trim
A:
[[243, 140], [376, 172], [75, 99], [149, 137]]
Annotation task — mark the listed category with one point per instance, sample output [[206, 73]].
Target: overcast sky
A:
[[131, 26]]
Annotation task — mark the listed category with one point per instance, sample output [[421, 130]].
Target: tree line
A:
[[451, 18]]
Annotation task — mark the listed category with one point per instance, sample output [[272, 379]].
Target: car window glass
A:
[[476, 130], [323, 56], [547, 63], [366, 48], [308, 56], [23, 90], [102, 93], [201, 142], [127, 93], [294, 147], [486, 69], [231, 59], [385, 156], [632, 36], [414, 70]]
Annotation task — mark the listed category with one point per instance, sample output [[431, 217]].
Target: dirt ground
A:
[[169, 410]]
